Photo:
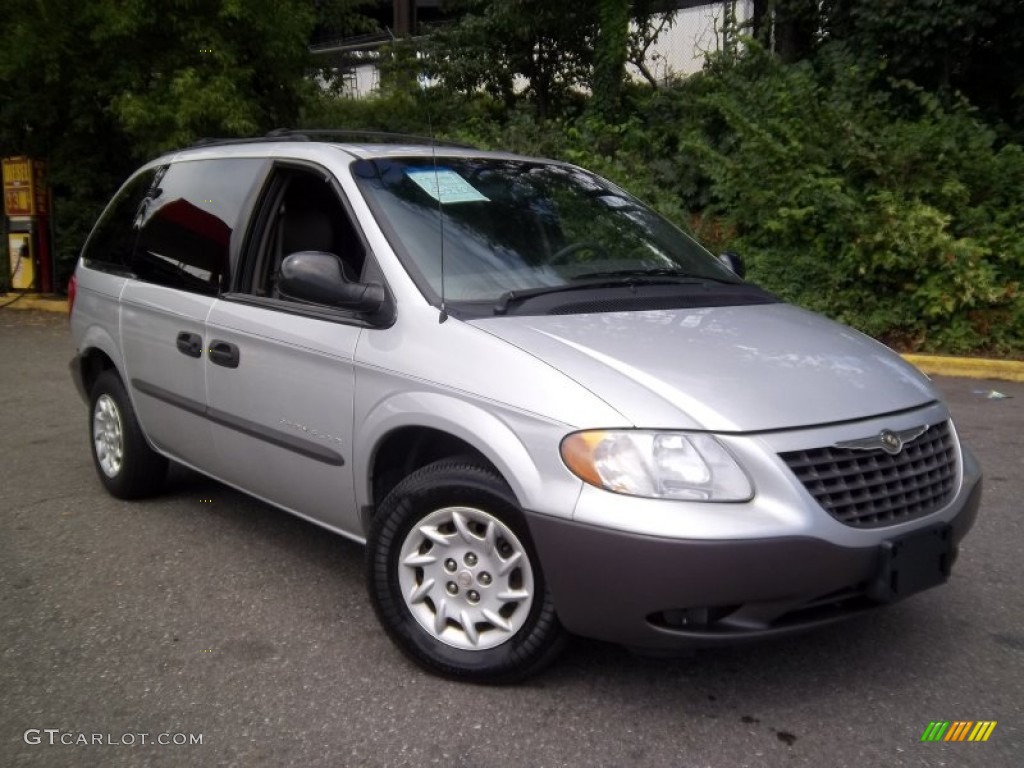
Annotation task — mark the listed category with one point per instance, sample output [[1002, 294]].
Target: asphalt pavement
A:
[[204, 628]]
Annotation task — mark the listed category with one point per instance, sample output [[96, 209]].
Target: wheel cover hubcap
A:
[[466, 578], [107, 436]]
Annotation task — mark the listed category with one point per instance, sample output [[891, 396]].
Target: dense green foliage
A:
[[878, 206], [872, 168], [969, 47], [540, 52]]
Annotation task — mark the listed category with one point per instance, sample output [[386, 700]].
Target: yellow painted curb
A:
[[968, 367], [33, 301]]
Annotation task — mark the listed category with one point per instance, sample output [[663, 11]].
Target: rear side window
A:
[[113, 239], [187, 221]]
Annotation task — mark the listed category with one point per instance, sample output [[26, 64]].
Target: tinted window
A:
[[187, 221], [113, 238]]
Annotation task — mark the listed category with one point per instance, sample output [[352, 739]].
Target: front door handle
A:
[[223, 353], [190, 344]]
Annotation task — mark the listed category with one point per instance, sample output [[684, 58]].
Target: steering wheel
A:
[[562, 255]]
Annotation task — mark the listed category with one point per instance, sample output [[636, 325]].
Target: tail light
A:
[[72, 292]]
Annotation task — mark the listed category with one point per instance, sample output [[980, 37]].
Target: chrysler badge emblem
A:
[[891, 442], [887, 440]]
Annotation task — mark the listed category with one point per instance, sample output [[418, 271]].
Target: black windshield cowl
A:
[[628, 274], [633, 294]]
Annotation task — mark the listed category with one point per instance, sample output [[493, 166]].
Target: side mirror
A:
[[734, 262], [318, 277]]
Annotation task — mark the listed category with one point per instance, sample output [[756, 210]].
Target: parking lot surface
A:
[[205, 628]]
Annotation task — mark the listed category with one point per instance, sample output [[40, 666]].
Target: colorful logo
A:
[[958, 730]]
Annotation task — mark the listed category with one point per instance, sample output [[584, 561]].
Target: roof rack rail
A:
[[213, 141], [376, 137], [323, 134]]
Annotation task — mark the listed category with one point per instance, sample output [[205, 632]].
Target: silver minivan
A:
[[543, 408]]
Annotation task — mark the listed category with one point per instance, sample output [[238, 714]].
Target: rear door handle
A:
[[223, 353], [190, 344]]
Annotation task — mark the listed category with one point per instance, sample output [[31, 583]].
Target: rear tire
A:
[[126, 465], [455, 579]]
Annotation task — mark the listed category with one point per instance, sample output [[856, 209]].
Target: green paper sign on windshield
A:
[[445, 185]]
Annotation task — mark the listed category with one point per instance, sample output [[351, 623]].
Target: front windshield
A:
[[512, 225]]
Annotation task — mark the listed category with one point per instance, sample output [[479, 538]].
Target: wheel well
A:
[[407, 449], [93, 363]]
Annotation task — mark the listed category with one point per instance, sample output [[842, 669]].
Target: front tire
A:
[[455, 579], [126, 465]]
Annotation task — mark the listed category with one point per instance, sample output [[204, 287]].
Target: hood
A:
[[725, 369]]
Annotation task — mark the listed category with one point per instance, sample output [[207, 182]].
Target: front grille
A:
[[872, 488]]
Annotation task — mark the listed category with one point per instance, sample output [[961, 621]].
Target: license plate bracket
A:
[[912, 563]]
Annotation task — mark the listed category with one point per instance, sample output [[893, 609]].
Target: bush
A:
[[854, 196]]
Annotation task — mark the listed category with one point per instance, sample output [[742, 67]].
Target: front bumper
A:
[[664, 593]]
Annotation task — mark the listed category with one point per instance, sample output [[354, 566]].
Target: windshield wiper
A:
[[507, 298], [603, 280]]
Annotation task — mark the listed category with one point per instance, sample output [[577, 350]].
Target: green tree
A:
[[610, 53], [547, 54], [96, 87], [506, 46]]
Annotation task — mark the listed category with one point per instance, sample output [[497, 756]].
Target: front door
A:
[[279, 374]]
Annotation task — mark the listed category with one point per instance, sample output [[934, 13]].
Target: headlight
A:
[[660, 465]]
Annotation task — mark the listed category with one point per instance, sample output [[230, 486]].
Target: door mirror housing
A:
[[318, 277], [734, 262]]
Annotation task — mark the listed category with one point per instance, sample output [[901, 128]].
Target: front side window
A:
[[302, 212], [510, 225], [186, 222]]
